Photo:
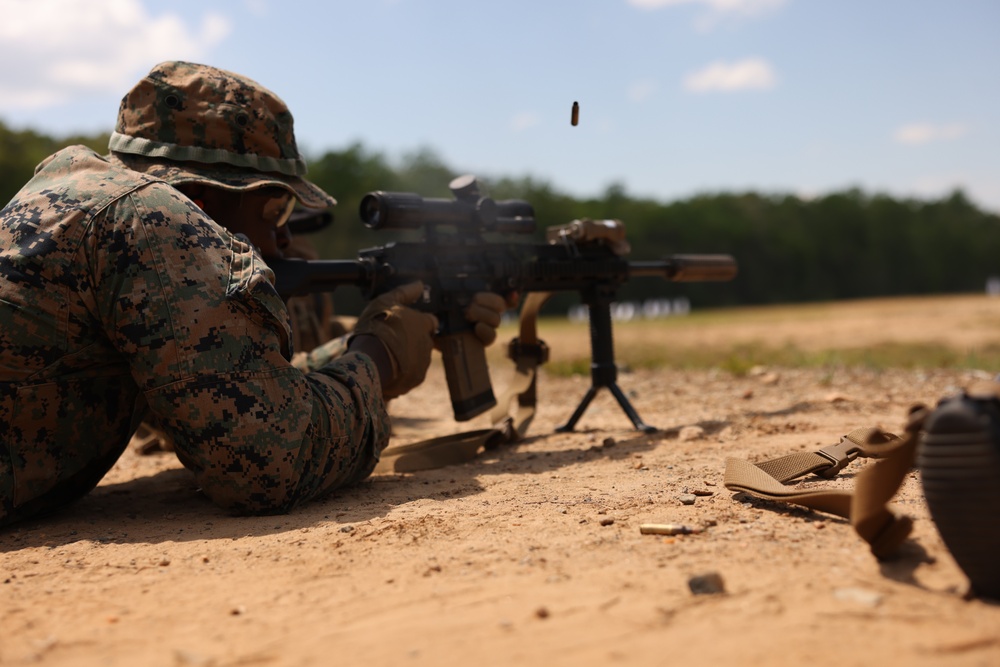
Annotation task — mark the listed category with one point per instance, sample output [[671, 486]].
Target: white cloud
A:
[[66, 48], [524, 121], [749, 74], [641, 90], [922, 133], [718, 10]]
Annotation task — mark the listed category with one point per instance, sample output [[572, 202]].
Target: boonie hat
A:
[[187, 123]]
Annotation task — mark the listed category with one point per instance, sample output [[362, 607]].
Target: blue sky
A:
[[677, 97]]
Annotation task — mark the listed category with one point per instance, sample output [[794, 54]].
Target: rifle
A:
[[455, 259]]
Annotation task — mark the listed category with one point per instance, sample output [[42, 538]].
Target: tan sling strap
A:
[[528, 353], [442, 451], [865, 507]]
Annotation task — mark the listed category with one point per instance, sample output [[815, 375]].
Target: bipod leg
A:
[[571, 424], [630, 411], [603, 371]]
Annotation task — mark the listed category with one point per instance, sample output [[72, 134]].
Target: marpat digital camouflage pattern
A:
[[118, 295]]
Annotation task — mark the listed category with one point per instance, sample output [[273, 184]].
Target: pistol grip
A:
[[464, 357]]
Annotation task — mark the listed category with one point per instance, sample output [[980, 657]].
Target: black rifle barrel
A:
[[296, 277], [687, 268]]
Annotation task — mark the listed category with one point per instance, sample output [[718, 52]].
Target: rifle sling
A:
[[439, 452], [865, 507], [528, 353]]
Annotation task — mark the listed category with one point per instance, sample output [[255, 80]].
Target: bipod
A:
[[603, 371]]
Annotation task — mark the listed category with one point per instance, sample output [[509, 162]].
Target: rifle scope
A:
[[405, 210]]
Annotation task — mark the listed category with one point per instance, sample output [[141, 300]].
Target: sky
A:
[[676, 97]]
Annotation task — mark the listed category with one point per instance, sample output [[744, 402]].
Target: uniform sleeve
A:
[[321, 355], [208, 342]]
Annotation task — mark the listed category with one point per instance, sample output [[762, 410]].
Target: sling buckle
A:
[[839, 455], [537, 352]]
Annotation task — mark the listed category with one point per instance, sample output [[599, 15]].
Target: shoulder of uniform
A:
[[80, 167], [95, 182]]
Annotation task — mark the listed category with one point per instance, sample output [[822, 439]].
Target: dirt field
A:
[[532, 554]]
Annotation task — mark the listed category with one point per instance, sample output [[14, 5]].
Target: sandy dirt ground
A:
[[532, 554]]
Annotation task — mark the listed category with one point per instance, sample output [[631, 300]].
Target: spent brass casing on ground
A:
[[666, 529]]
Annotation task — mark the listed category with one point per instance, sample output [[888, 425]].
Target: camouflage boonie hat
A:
[[187, 123]]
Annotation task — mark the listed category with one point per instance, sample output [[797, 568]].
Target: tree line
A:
[[842, 245]]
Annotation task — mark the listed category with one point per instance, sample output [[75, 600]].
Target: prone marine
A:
[[135, 285]]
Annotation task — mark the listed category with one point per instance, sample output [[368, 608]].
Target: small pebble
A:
[[607, 522], [710, 583], [687, 498]]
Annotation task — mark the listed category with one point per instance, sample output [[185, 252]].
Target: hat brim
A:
[[226, 177]]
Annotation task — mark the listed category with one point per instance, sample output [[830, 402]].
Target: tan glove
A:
[[485, 313], [407, 335]]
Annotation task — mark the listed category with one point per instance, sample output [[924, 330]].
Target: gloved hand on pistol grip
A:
[[485, 312], [407, 334]]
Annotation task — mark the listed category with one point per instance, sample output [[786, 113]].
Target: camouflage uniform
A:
[[317, 338], [117, 293]]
